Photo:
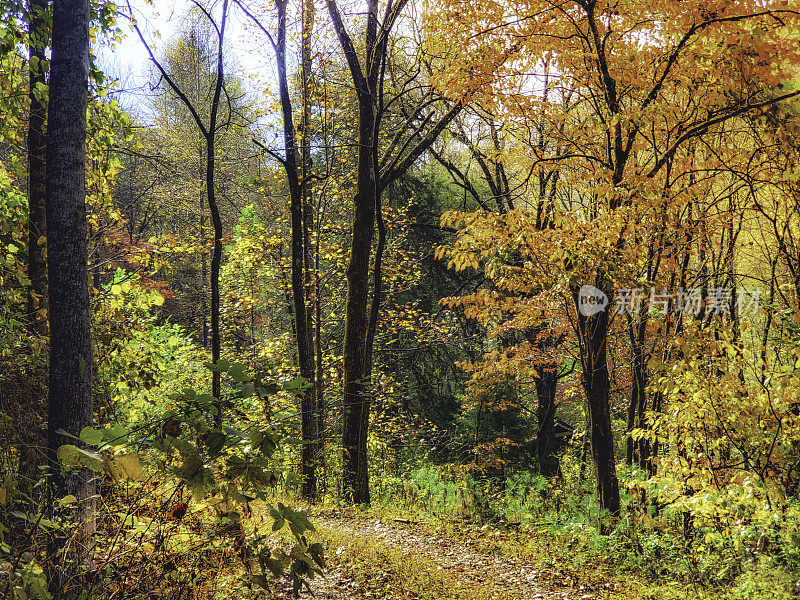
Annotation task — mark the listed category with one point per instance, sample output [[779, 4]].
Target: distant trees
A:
[[205, 112], [38, 36]]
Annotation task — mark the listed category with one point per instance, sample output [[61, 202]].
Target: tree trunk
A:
[[216, 261], [37, 147], [547, 445], [70, 393], [593, 334], [637, 451], [357, 393], [216, 255], [311, 433], [298, 199]]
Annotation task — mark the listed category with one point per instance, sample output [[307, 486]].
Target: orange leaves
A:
[[626, 81]]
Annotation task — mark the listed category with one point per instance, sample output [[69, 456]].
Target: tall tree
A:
[[208, 130], [296, 163], [70, 393], [362, 308], [485, 141]]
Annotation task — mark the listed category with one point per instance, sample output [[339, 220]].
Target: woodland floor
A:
[[466, 565]]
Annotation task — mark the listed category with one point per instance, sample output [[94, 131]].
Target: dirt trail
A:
[[464, 562]]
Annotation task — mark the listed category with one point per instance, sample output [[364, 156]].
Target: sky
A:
[[248, 52]]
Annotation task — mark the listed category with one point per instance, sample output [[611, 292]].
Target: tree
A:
[[363, 305], [296, 163], [208, 130], [70, 391], [621, 148], [485, 136]]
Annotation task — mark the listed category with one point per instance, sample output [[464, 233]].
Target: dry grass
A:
[[389, 572]]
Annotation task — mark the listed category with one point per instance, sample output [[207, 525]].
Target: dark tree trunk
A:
[[216, 257], [593, 334], [547, 444], [315, 433], [203, 253], [211, 192], [37, 147], [362, 309], [357, 363], [637, 450], [296, 164], [357, 393], [70, 393]]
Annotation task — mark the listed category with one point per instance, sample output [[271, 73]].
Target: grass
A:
[[388, 572], [567, 560], [383, 570]]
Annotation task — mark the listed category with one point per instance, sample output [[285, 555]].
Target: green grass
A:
[[577, 560]]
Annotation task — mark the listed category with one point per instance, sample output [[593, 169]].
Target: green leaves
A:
[[237, 371], [220, 367], [297, 385], [72, 457], [192, 464], [264, 440], [297, 520], [306, 560], [201, 483], [129, 466], [91, 436]]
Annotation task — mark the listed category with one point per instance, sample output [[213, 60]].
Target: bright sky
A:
[[247, 51]]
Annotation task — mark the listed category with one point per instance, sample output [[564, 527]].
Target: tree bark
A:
[[546, 441], [216, 254], [636, 451], [357, 393], [593, 335], [70, 392], [313, 438]]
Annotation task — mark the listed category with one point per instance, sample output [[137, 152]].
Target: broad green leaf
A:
[[91, 436], [238, 372], [192, 464], [73, 457]]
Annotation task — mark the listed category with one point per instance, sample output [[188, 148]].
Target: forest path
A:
[[474, 573]]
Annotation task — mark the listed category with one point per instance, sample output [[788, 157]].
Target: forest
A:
[[400, 299]]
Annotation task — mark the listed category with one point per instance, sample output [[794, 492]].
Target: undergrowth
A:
[[653, 552]]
